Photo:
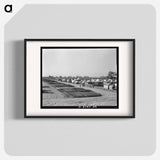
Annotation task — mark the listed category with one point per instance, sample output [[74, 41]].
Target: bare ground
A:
[[53, 97]]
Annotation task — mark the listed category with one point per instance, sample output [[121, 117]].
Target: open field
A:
[[78, 92], [55, 93]]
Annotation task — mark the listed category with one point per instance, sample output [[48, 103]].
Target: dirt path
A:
[[57, 98]]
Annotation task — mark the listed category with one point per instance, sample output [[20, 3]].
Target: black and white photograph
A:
[[79, 77]]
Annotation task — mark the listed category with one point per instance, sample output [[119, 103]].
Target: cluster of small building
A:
[[110, 84]]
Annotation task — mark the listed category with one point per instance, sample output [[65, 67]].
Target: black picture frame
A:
[[25, 76]]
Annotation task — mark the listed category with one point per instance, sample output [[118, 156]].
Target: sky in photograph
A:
[[78, 62]]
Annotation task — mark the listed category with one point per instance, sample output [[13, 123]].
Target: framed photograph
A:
[[79, 78]]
